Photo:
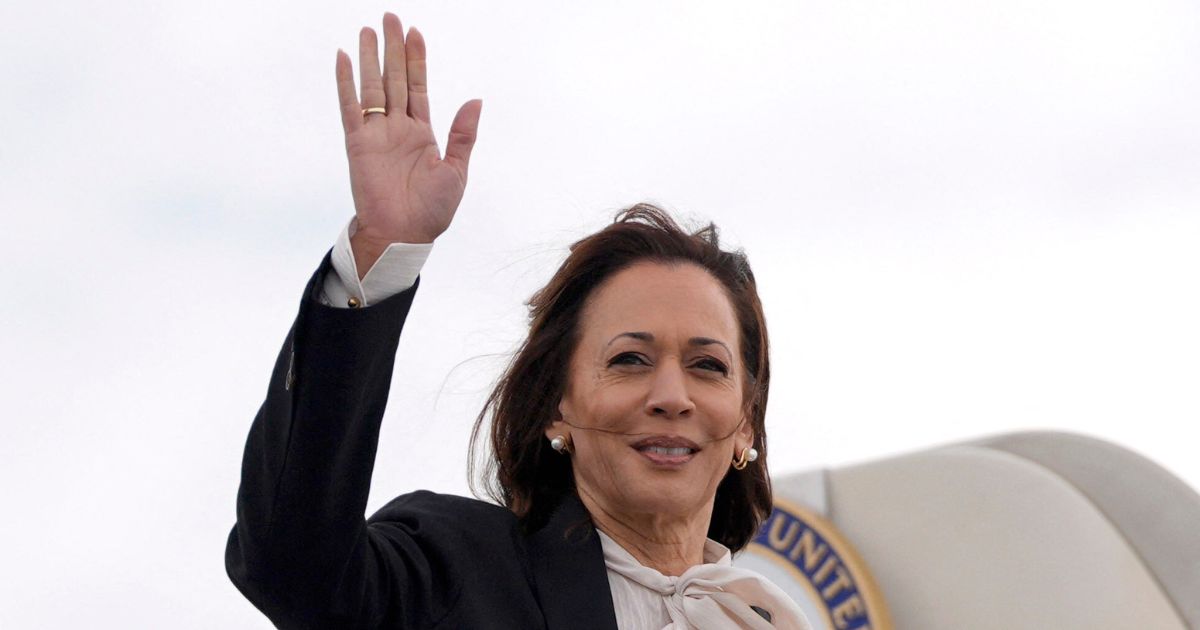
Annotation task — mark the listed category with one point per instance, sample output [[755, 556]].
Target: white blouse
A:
[[710, 596]]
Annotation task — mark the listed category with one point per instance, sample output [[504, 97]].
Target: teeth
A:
[[663, 450]]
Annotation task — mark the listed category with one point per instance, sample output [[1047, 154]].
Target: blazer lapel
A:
[[569, 572]]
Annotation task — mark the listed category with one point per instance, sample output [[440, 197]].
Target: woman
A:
[[630, 453]]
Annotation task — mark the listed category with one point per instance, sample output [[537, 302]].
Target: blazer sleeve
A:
[[301, 550]]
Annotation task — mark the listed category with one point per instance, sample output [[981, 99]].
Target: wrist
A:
[[366, 251]]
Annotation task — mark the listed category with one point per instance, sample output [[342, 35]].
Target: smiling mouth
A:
[[667, 451]]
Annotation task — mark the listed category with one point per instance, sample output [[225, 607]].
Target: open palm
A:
[[404, 190]]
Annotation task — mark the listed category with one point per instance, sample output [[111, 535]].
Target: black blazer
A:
[[301, 550]]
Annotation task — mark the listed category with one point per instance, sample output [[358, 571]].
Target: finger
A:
[[352, 117], [368, 70], [395, 75], [462, 135], [418, 89]]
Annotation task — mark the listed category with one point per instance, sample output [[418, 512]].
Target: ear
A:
[[745, 436], [558, 427]]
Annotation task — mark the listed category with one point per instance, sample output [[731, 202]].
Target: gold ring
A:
[[375, 110]]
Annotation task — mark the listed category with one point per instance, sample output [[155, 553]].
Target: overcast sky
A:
[[967, 218]]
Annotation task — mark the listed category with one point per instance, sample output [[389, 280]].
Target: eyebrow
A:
[[694, 341]]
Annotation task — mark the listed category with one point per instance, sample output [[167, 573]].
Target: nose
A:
[[668, 396]]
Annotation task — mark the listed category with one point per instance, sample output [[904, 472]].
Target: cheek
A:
[[724, 417], [608, 407], [601, 461]]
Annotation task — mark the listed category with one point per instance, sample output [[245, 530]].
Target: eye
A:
[[628, 358], [709, 363]]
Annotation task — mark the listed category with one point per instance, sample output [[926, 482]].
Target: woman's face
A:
[[653, 403]]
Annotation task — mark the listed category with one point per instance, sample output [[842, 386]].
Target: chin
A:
[[676, 496]]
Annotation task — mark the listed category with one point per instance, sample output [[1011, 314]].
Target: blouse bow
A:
[[712, 596]]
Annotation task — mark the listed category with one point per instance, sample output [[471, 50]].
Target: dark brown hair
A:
[[524, 473]]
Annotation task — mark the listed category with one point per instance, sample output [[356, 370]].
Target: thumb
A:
[[462, 135]]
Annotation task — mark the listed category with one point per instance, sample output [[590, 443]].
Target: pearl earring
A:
[[559, 444], [748, 455]]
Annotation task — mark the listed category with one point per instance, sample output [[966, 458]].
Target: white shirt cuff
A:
[[395, 271]]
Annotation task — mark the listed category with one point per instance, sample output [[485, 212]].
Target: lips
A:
[[667, 450]]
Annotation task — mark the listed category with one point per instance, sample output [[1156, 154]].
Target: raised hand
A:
[[404, 190]]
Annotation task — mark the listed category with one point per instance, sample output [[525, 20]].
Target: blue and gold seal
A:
[[804, 555]]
